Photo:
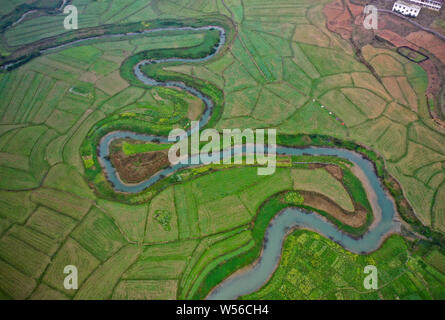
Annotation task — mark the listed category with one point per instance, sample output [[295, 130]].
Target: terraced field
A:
[[282, 69]]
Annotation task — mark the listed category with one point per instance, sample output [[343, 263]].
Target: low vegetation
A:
[[313, 267], [280, 68]]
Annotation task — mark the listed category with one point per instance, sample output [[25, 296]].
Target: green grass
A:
[[16, 284], [99, 235], [38, 240], [321, 181], [437, 260], [131, 223], [11, 11], [135, 148], [218, 249], [71, 253], [355, 188], [266, 213], [66, 178], [60, 201], [313, 267], [329, 61], [112, 270], [16, 206], [264, 77], [162, 221], [23, 256], [220, 184], [51, 223], [294, 198]]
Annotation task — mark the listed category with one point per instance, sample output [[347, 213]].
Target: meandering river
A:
[[251, 279]]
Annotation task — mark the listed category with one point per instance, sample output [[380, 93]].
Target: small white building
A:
[[405, 8], [430, 4]]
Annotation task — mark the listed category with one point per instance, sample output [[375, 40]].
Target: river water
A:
[[251, 279]]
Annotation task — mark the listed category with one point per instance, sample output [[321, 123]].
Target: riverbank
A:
[[22, 11], [23, 54], [327, 146], [254, 276]]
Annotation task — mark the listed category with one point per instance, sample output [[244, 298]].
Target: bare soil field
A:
[[318, 201], [138, 167]]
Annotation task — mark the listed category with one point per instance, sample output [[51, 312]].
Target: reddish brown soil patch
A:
[[335, 171], [339, 19], [315, 165], [395, 24], [139, 167], [317, 201], [430, 42], [433, 77]]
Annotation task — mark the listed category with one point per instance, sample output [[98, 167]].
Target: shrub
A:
[[294, 198], [163, 217]]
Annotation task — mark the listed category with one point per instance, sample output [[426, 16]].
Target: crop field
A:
[[281, 69], [312, 267], [110, 231]]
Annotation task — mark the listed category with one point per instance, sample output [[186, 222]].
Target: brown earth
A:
[[196, 108], [138, 167], [315, 165], [433, 76], [335, 171], [354, 219], [339, 19]]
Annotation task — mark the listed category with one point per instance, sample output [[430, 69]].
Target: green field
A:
[[280, 68], [131, 148], [312, 267]]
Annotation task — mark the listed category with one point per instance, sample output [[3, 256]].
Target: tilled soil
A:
[[139, 167], [354, 219]]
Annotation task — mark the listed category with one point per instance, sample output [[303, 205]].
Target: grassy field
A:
[[312, 267], [284, 70], [197, 239], [131, 148]]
